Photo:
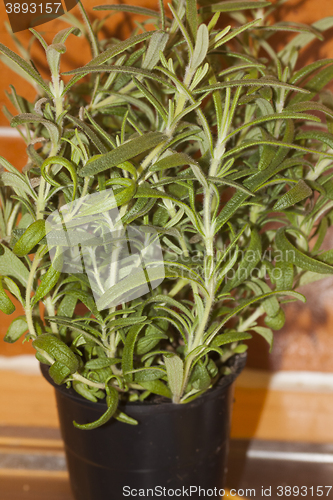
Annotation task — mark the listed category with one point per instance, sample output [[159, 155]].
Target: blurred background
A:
[[284, 400]]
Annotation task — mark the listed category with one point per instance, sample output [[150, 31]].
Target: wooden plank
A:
[[26, 400], [36, 443], [15, 486], [28, 473], [283, 415]]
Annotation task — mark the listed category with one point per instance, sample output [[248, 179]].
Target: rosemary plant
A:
[[207, 136]]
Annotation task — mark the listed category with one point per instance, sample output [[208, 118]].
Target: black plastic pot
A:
[[175, 447]]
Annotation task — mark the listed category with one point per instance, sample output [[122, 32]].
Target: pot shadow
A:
[[249, 403]]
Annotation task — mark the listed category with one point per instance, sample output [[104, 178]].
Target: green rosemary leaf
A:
[[228, 182], [48, 281], [119, 48], [292, 255], [107, 55], [283, 274], [249, 144], [25, 67], [122, 153], [145, 191], [321, 233], [310, 68], [293, 196], [266, 333], [57, 350], [223, 273], [249, 302], [87, 332], [63, 162], [6, 305], [124, 322], [112, 399], [100, 130], [152, 99], [31, 237], [10, 265], [300, 107], [15, 331], [316, 135], [131, 70], [156, 45], [184, 31], [10, 285], [294, 27], [200, 48], [5, 163], [128, 284], [148, 342], [133, 9], [172, 302], [276, 322], [192, 18], [53, 54], [62, 35], [157, 387], [200, 378], [276, 116], [236, 6], [229, 337], [92, 37], [18, 183], [235, 32], [177, 160], [248, 263], [122, 417], [303, 39], [260, 82], [175, 370], [149, 373], [39, 37], [31, 118], [89, 133], [178, 317], [127, 358]]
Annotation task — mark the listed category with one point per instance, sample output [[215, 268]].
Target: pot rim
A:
[[236, 363]]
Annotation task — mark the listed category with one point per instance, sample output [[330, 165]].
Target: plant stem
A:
[[250, 320], [12, 219], [80, 378], [198, 339], [28, 308]]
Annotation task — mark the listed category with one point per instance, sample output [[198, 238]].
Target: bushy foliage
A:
[[205, 134]]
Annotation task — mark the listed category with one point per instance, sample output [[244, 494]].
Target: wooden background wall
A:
[[306, 341]]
